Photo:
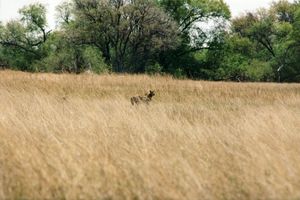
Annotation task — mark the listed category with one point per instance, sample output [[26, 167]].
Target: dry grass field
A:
[[79, 137]]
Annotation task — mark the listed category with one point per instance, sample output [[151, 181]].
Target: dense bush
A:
[[155, 37]]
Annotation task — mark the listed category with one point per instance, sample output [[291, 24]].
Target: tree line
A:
[[195, 39]]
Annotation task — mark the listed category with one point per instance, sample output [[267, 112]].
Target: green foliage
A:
[[259, 71], [23, 40], [186, 38], [153, 69], [284, 11], [179, 73], [129, 35], [60, 55], [290, 54], [63, 56], [189, 14], [94, 61], [64, 13], [261, 43], [34, 17]]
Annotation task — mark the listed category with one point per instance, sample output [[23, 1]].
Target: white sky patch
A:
[[238, 7], [9, 8]]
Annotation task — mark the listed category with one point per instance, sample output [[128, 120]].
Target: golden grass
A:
[[78, 137]]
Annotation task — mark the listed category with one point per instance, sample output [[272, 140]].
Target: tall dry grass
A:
[[78, 137]]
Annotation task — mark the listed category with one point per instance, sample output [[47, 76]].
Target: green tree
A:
[[193, 17], [65, 56], [290, 70], [22, 40], [128, 33], [270, 31]]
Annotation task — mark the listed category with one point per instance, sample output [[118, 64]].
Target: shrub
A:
[[259, 71], [153, 69], [94, 61]]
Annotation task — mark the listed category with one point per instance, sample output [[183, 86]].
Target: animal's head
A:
[[151, 94]]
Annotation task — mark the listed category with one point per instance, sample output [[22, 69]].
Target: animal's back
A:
[[136, 100], [142, 99]]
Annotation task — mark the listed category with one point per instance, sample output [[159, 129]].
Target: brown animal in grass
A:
[[142, 99]]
